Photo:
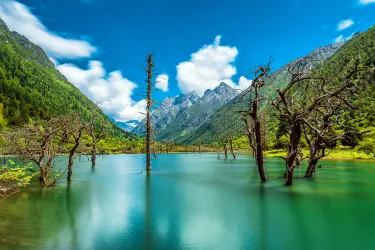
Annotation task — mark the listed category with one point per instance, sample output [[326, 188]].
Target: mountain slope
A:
[[170, 108], [181, 115], [196, 115], [31, 87], [226, 121]]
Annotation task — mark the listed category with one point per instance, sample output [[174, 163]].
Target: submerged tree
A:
[[97, 130], [249, 131], [217, 147], [224, 143], [149, 68], [75, 130], [229, 139], [319, 128], [260, 74], [40, 143], [306, 92]]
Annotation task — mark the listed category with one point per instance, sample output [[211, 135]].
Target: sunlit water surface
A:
[[193, 201]]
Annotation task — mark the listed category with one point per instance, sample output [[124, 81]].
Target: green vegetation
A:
[[13, 177]]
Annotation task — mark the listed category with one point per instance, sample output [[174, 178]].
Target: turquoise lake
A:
[[193, 201]]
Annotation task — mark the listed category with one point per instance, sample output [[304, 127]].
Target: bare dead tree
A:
[[150, 84], [97, 130], [229, 139], [224, 143], [260, 75], [319, 129], [40, 143], [75, 129], [295, 102], [249, 131]]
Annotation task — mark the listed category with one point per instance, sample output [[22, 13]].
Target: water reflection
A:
[[192, 201]]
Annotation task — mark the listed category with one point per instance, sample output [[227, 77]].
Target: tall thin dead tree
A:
[[296, 101], [260, 75], [149, 68]]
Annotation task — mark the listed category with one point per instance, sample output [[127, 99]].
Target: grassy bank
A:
[[333, 154]]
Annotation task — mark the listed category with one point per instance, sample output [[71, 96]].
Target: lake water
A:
[[193, 201]]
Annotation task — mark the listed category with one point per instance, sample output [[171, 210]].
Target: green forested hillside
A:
[[31, 87], [226, 121]]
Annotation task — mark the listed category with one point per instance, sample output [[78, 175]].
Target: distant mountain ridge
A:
[[179, 116], [127, 126]]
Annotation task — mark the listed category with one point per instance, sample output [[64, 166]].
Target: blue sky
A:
[[100, 44]]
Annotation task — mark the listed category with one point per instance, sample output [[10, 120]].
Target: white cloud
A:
[[207, 67], [366, 1], [344, 24], [112, 91], [19, 18], [243, 83], [341, 38], [162, 82]]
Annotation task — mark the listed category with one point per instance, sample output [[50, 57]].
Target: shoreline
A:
[[336, 154]]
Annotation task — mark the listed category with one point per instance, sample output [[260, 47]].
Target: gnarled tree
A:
[[307, 91], [319, 128], [40, 143], [74, 131]]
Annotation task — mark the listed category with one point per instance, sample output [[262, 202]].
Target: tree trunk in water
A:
[[71, 156], [150, 66], [289, 177], [295, 137], [226, 152], [259, 151], [313, 158], [231, 150], [249, 136], [311, 169], [70, 170], [93, 155], [218, 155], [42, 177]]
